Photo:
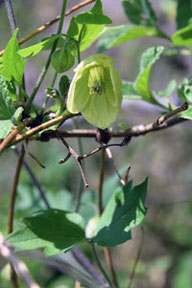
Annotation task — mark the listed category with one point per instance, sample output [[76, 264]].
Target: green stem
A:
[[44, 71]]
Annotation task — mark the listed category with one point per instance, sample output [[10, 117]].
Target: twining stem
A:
[[136, 260], [44, 71], [12, 207], [99, 265], [14, 192], [101, 180], [100, 208]]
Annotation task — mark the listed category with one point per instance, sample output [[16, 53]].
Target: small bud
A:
[[95, 91], [91, 227], [62, 60]]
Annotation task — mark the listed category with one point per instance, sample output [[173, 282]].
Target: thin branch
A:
[[100, 265], [100, 208], [110, 264], [101, 180], [76, 157], [33, 157], [14, 192], [8, 139], [50, 23], [41, 127], [45, 69], [136, 260], [35, 181], [12, 207], [169, 115], [20, 267], [87, 266], [110, 156], [11, 16]]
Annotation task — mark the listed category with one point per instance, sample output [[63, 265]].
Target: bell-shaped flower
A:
[[95, 91]]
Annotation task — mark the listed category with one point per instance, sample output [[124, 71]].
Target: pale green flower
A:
[[95, 91]]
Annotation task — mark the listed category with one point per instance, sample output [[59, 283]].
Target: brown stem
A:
[[5, 143], [110, 265], [12, 206], [75, 156], [136, 260], [101, 180], [14, 192], [100, 208], [41, 127], [50, 23]]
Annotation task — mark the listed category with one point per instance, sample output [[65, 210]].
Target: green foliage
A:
[[142, 84], [124, 211], [184, 13], [140, 89], [118, 35], [12, 63], [139, 12], [94, 16], [183, 37], [55, 230], [130, 92]]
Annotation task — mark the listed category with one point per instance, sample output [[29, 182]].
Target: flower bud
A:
[[95, 91], [62, 60]]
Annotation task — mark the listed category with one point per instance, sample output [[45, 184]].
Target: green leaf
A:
[[115, 36], [34, 49], [129, 91], [45, 44], [89, 34], [94, 16], [124, 211], [5, 127], [142, 85], [187, 114], [6, 104], [168, 91], [73, 28], [139, 12], [184, 13], [16, 118], [183, 37], [13, 64], [55, 230], [185, 90]]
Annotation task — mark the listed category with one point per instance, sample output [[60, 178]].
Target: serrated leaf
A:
[[6, 106], [139, 12], [55, 230], [129, 91], [45, 44], [13, 64], [183, 37], [115, 36], [94, 16], [187, 114], [184, 13], [124, 211], [5, 127], [148, 58]]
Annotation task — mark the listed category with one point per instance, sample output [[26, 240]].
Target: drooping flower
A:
[[95, 91]]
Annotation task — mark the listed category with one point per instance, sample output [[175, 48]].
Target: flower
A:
[[95, 91]]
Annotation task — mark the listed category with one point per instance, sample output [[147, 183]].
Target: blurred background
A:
[[164, 157]]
